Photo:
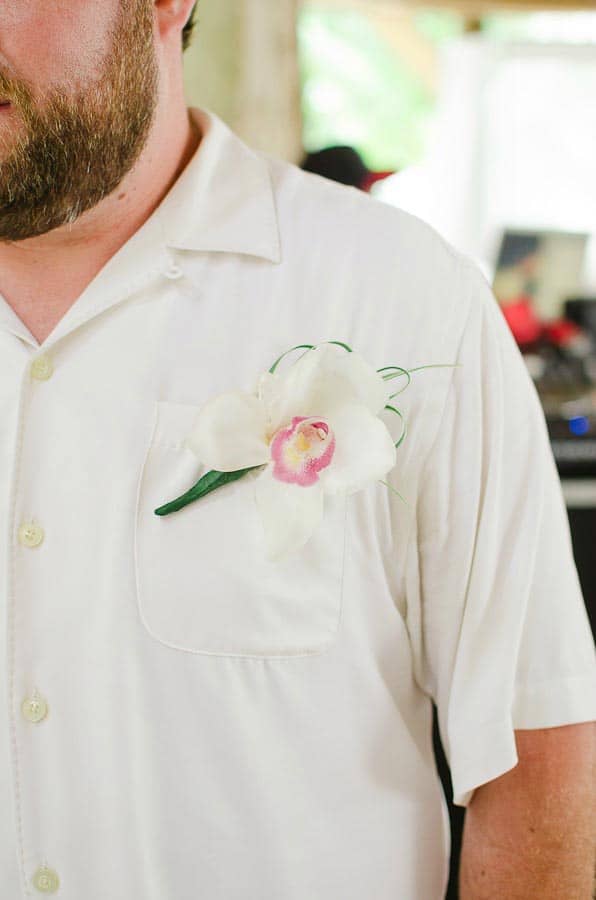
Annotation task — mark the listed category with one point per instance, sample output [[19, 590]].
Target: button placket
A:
[[34, 708]]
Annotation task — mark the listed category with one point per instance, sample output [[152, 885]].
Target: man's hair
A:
[[188, 29]]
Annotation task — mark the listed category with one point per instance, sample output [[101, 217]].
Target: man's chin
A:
[[11, 131], [10, 233], [17, 226]]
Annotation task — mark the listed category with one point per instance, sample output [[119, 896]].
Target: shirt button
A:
[[34, 708], [30, 534], [42, 368], [46, 880], [173, 271]]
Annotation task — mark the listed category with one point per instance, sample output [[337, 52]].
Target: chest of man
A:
[[236, 700]]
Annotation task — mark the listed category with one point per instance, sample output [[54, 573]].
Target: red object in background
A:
[[522, 320], [561, 331], [372, 178]]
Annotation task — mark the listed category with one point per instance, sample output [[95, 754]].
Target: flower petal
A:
[[364, 450], [289, 513], [322, 378], [229, 433]]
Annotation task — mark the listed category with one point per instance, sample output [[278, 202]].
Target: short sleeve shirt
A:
[[180, 717]]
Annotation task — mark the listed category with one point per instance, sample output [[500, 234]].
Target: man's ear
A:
[[172, 16]]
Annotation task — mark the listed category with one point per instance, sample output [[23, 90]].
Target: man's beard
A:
[[76, 148]]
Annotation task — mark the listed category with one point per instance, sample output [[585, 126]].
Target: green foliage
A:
[[357, 91], [439, 25]]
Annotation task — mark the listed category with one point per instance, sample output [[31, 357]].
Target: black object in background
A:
[[583, 530], [342, 163], [456, 813], [582, 311]]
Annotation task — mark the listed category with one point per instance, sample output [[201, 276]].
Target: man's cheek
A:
[[57, 44]]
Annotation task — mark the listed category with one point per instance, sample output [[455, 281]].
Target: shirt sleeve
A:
[[505, 641]]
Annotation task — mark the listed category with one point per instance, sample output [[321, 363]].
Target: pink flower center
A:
[[301, 450]]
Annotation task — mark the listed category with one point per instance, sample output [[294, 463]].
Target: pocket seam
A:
[[220, 652]]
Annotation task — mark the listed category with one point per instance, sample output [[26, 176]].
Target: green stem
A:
[[209, 482]]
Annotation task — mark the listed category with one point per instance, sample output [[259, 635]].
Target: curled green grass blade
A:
[[391, 488], [297, 347], [404, 428], [306, 347]]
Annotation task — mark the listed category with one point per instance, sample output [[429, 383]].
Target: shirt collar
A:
[[223, 200]]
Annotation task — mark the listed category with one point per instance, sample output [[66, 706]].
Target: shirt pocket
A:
[[204, 584]]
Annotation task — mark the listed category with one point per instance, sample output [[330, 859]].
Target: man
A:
[[180, 717]]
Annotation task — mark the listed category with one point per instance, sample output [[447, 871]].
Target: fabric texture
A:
[[180, 717]]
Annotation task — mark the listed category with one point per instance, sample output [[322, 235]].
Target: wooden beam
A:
[[475, 8], [472, 8]]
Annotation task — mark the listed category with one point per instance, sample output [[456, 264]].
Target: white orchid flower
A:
[[314, 429]]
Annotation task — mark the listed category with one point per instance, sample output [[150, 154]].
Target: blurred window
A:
[[552, 27], [370, 72], [369, 79]]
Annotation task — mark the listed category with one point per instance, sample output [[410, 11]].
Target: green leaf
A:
[[209, 482]]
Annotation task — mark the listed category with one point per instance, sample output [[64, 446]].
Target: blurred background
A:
[[479, 117]]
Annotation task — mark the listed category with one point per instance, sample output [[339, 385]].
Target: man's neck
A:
[[40, 278]]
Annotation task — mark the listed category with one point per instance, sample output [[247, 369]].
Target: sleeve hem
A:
[[489, 750], [548, 704], [481, 757]]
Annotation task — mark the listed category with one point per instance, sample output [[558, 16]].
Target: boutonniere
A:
[[313, 429]]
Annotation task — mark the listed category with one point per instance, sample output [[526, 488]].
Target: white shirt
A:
[[181, 718]]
